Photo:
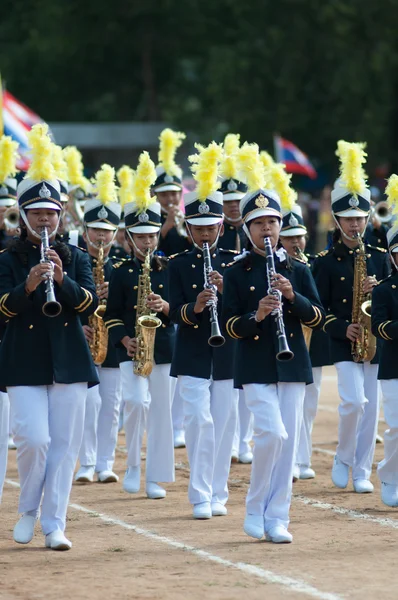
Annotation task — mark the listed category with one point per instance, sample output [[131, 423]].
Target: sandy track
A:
[[345, 544]]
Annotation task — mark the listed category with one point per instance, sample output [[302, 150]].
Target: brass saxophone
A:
[[146, 323], [364, 347], [307, 331], [99, 344]]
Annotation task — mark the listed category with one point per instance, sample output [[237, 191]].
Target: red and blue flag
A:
[[294, 159]]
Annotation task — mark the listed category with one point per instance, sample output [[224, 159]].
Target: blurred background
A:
[[109, 76]]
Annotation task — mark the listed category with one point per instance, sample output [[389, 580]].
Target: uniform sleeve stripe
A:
[[230, 330], [382, 331], [316, 320], [112, 321], [184, 315], [86, 303], [4, 309], [121, 324]]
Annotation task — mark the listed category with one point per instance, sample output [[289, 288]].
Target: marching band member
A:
[[79, 190], [384, 327], [8, 190], [168, 190], [339, 271], [120, 248], [97, 451], [293, 238], [274, 389], [47, 392], [204, 372], [139, 287]]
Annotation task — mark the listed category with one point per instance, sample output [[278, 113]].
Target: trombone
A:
[[11, 218], [382, 211]]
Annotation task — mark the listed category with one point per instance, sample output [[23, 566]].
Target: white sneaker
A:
[[107, 476], [179, 438], [340, 473], [306, 472], [279, 535], [389, 494], [254, 526], [11, 444], [85, 474], [296, 473], [202, 510], [218, 509], [154, 491], [363, 486], [57, 541], [24, 529], [234, 456], [246, 458], [131, 481]]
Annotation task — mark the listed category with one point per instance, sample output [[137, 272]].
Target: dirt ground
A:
[[126, 546]]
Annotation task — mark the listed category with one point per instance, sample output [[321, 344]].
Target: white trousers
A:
[[4, 430], [244, 427], [359, 413], [277, 411], [48, 428], [177, 410], [210, 413], [101, 421], [147, 405], [310, 408], [387, 469]]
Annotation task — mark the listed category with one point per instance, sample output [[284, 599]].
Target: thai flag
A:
[[295, 160], [18, 119]]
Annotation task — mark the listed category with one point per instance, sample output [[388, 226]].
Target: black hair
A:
[[21, 246], [336, 235]]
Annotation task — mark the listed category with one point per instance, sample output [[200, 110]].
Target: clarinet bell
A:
[[216, 339], [52, 308], [285, 355]]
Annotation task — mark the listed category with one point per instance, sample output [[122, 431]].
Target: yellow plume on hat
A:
[[105, 185], [280, 181], [251, 167], [266, 159], [8, 157], [145, 177], [74, 164], [229, 166], [59, 163], [41, 150], [125, 177], [205, 168], [352, 156], [391, 192], [170, 141]]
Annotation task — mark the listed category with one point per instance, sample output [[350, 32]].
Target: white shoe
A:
[[131, 481], [296, 473], [179, 438], [389, 494], [246, 458], [234, 456], [57, 541], [306, 472], [218, 509], [340, 473], [379, 439], [254, 526], [202, 510], [154, 491], [85, 474], [279, 535], [363, 486], [11, 444], [107, 476], [24, 529]]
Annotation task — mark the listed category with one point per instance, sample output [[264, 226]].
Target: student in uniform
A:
[[97, 451], [45, 362], [274, 390], [384, 327], [204, 372], [293, 239], [334, 276], [147, 399]]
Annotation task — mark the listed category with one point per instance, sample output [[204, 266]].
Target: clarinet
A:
[[216, 339], [284, 353], [51, 308]]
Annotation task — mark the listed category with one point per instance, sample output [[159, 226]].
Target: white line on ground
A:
[[325, 408], [329, 377], [293, 585], [324, 451], [384, 522]]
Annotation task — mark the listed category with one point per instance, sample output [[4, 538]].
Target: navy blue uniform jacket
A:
[[120, 314], [385, 325], [334, 276], [245, 283], [193, 356], [40, 350]]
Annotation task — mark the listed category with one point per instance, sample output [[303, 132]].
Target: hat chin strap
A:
[[93, 245], [214, 244], [230, 220], [136, 249], [347, 237], [392, 260], [32, 231]]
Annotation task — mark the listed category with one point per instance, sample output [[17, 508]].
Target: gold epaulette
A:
[[229, 251], [300, 260], [5, 250], [376, 248], [177, 254], [80, 248], [119, 264]]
